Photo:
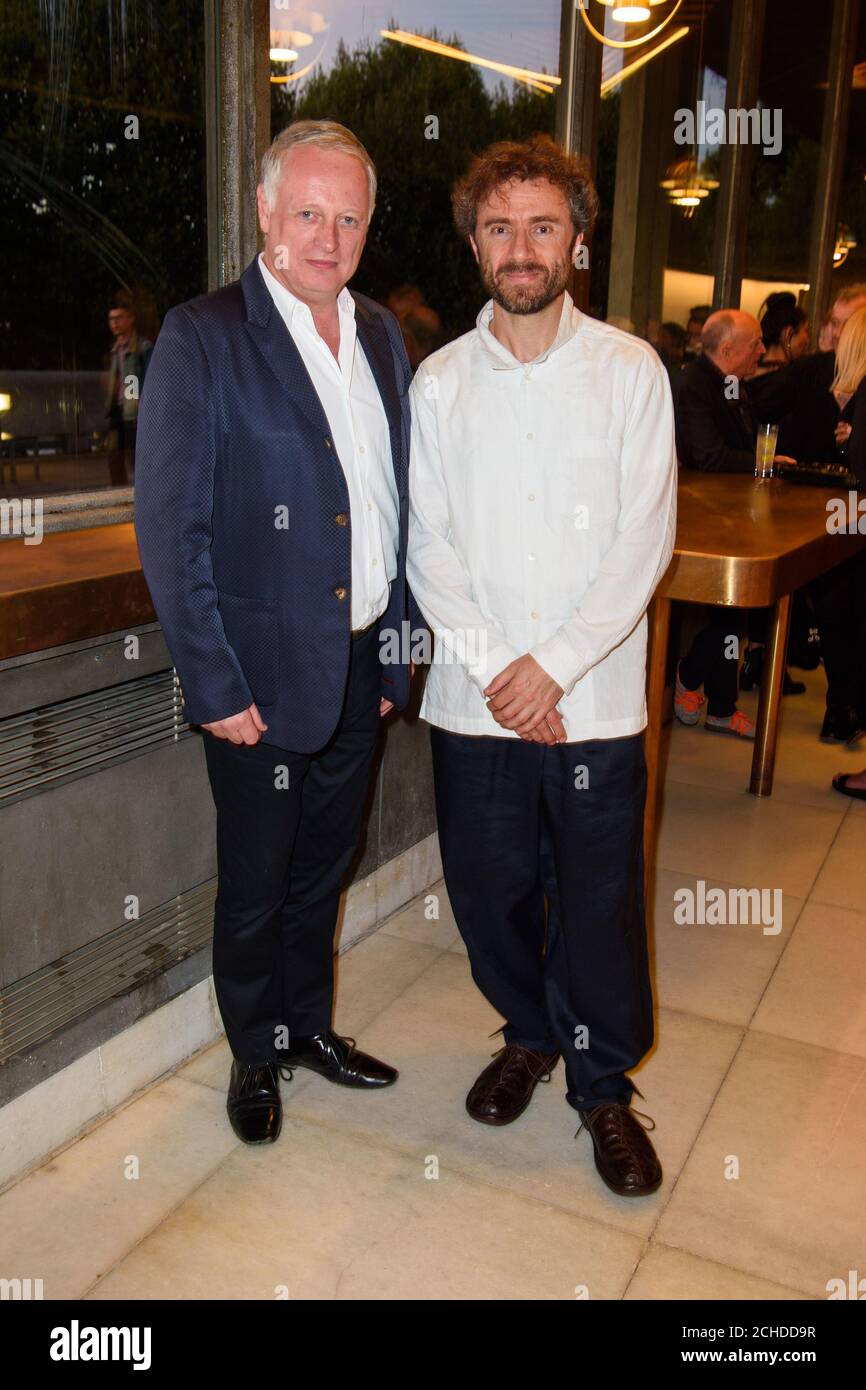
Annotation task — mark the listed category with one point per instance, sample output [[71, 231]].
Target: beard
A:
[[525, 299]]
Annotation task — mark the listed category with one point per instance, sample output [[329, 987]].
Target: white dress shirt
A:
[[542, 517], [359, 426]]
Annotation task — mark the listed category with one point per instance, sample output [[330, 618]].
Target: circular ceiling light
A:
[[627, 14]]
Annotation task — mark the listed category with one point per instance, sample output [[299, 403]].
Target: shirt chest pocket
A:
[[581, 489]]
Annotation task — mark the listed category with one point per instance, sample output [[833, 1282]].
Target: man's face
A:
[[741, 353], [120, 322], [693, 330], [525, 245], [315, 233], [840, 316]]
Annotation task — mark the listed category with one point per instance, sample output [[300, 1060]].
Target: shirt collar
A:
[[501, 359], [289, 304]]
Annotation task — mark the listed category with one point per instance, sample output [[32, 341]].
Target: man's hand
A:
[[783, 458], [385, 706], [523, 697], [843, 432], [246, 727]]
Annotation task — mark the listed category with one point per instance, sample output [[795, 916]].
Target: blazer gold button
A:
[[327, 442], [340, 593], [341, 519]]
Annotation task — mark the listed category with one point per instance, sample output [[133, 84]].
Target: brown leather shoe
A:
[[505, 1087], [624, 1156]]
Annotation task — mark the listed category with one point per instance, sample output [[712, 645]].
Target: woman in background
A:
[[849, 389], [784, 329]]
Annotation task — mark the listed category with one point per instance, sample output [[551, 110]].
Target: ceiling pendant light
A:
[[628, 14]]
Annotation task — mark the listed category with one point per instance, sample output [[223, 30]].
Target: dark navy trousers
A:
[[542, 852], [288, 826]]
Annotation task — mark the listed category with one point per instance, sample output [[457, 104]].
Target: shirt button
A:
[[369, 506], [532, 496], [533, 614], [341, 519], [361, 449], [341, 592], [530, 435], [531, 555]]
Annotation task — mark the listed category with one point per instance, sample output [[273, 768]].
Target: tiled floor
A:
[[757, 1084]]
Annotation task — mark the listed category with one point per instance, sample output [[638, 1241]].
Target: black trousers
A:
[[520, 821], [840, 602], [706, 663], [287, 828]]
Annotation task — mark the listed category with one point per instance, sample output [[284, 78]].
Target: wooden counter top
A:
[[72, 585]]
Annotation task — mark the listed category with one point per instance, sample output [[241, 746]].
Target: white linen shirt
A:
[[359, 426], [542, 517]]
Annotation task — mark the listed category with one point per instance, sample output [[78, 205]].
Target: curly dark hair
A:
[[537, 158]]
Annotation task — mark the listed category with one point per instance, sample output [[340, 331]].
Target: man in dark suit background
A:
[[272, 514], [716, 432]]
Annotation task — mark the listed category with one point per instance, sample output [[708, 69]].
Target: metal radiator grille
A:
[[76, 737], [35, 1008]]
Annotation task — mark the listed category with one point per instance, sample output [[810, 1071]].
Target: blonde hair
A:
[[328, 134], [851, 354]]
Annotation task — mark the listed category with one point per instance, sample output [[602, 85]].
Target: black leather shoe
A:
[[339, 1060], [842, 724], [254, 1107]]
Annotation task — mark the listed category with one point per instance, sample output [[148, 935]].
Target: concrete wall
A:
[[72, 850]]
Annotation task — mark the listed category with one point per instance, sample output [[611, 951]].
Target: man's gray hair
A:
[[329, 135], [718, 328]]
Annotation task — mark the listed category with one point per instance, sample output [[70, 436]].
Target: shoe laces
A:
[[740, 723], [688, 700], [617, 1109], [520, 1056]]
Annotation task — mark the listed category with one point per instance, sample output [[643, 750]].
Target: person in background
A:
[[716, 434], [422, 333], [130, 355], [671, 347], [694, 328], [420, 325], [849, 390], [785, 331], [849, 385], [801, 399], [825, 334]]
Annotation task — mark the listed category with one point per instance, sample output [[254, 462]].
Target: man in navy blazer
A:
[[271, 510]]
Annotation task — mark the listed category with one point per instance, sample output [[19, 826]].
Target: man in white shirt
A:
[[271, 512], [542, 517]]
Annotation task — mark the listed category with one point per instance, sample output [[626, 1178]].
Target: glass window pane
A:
[[102, 167], [421, 114]]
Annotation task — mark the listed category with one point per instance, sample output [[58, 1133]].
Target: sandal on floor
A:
[[840, 784]]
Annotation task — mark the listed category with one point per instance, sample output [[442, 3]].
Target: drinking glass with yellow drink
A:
[[765, 450]]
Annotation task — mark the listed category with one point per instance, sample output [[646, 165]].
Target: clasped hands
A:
[[523, 697]]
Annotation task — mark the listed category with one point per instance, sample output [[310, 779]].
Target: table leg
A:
[[770, 702], [659, 630]]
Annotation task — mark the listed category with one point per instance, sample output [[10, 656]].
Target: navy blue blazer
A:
[[240, 513]]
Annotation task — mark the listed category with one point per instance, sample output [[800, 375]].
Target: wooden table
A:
[[740, 544], [74, 584]]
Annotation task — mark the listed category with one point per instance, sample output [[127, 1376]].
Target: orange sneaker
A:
[[687, 703], [736, 724]]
